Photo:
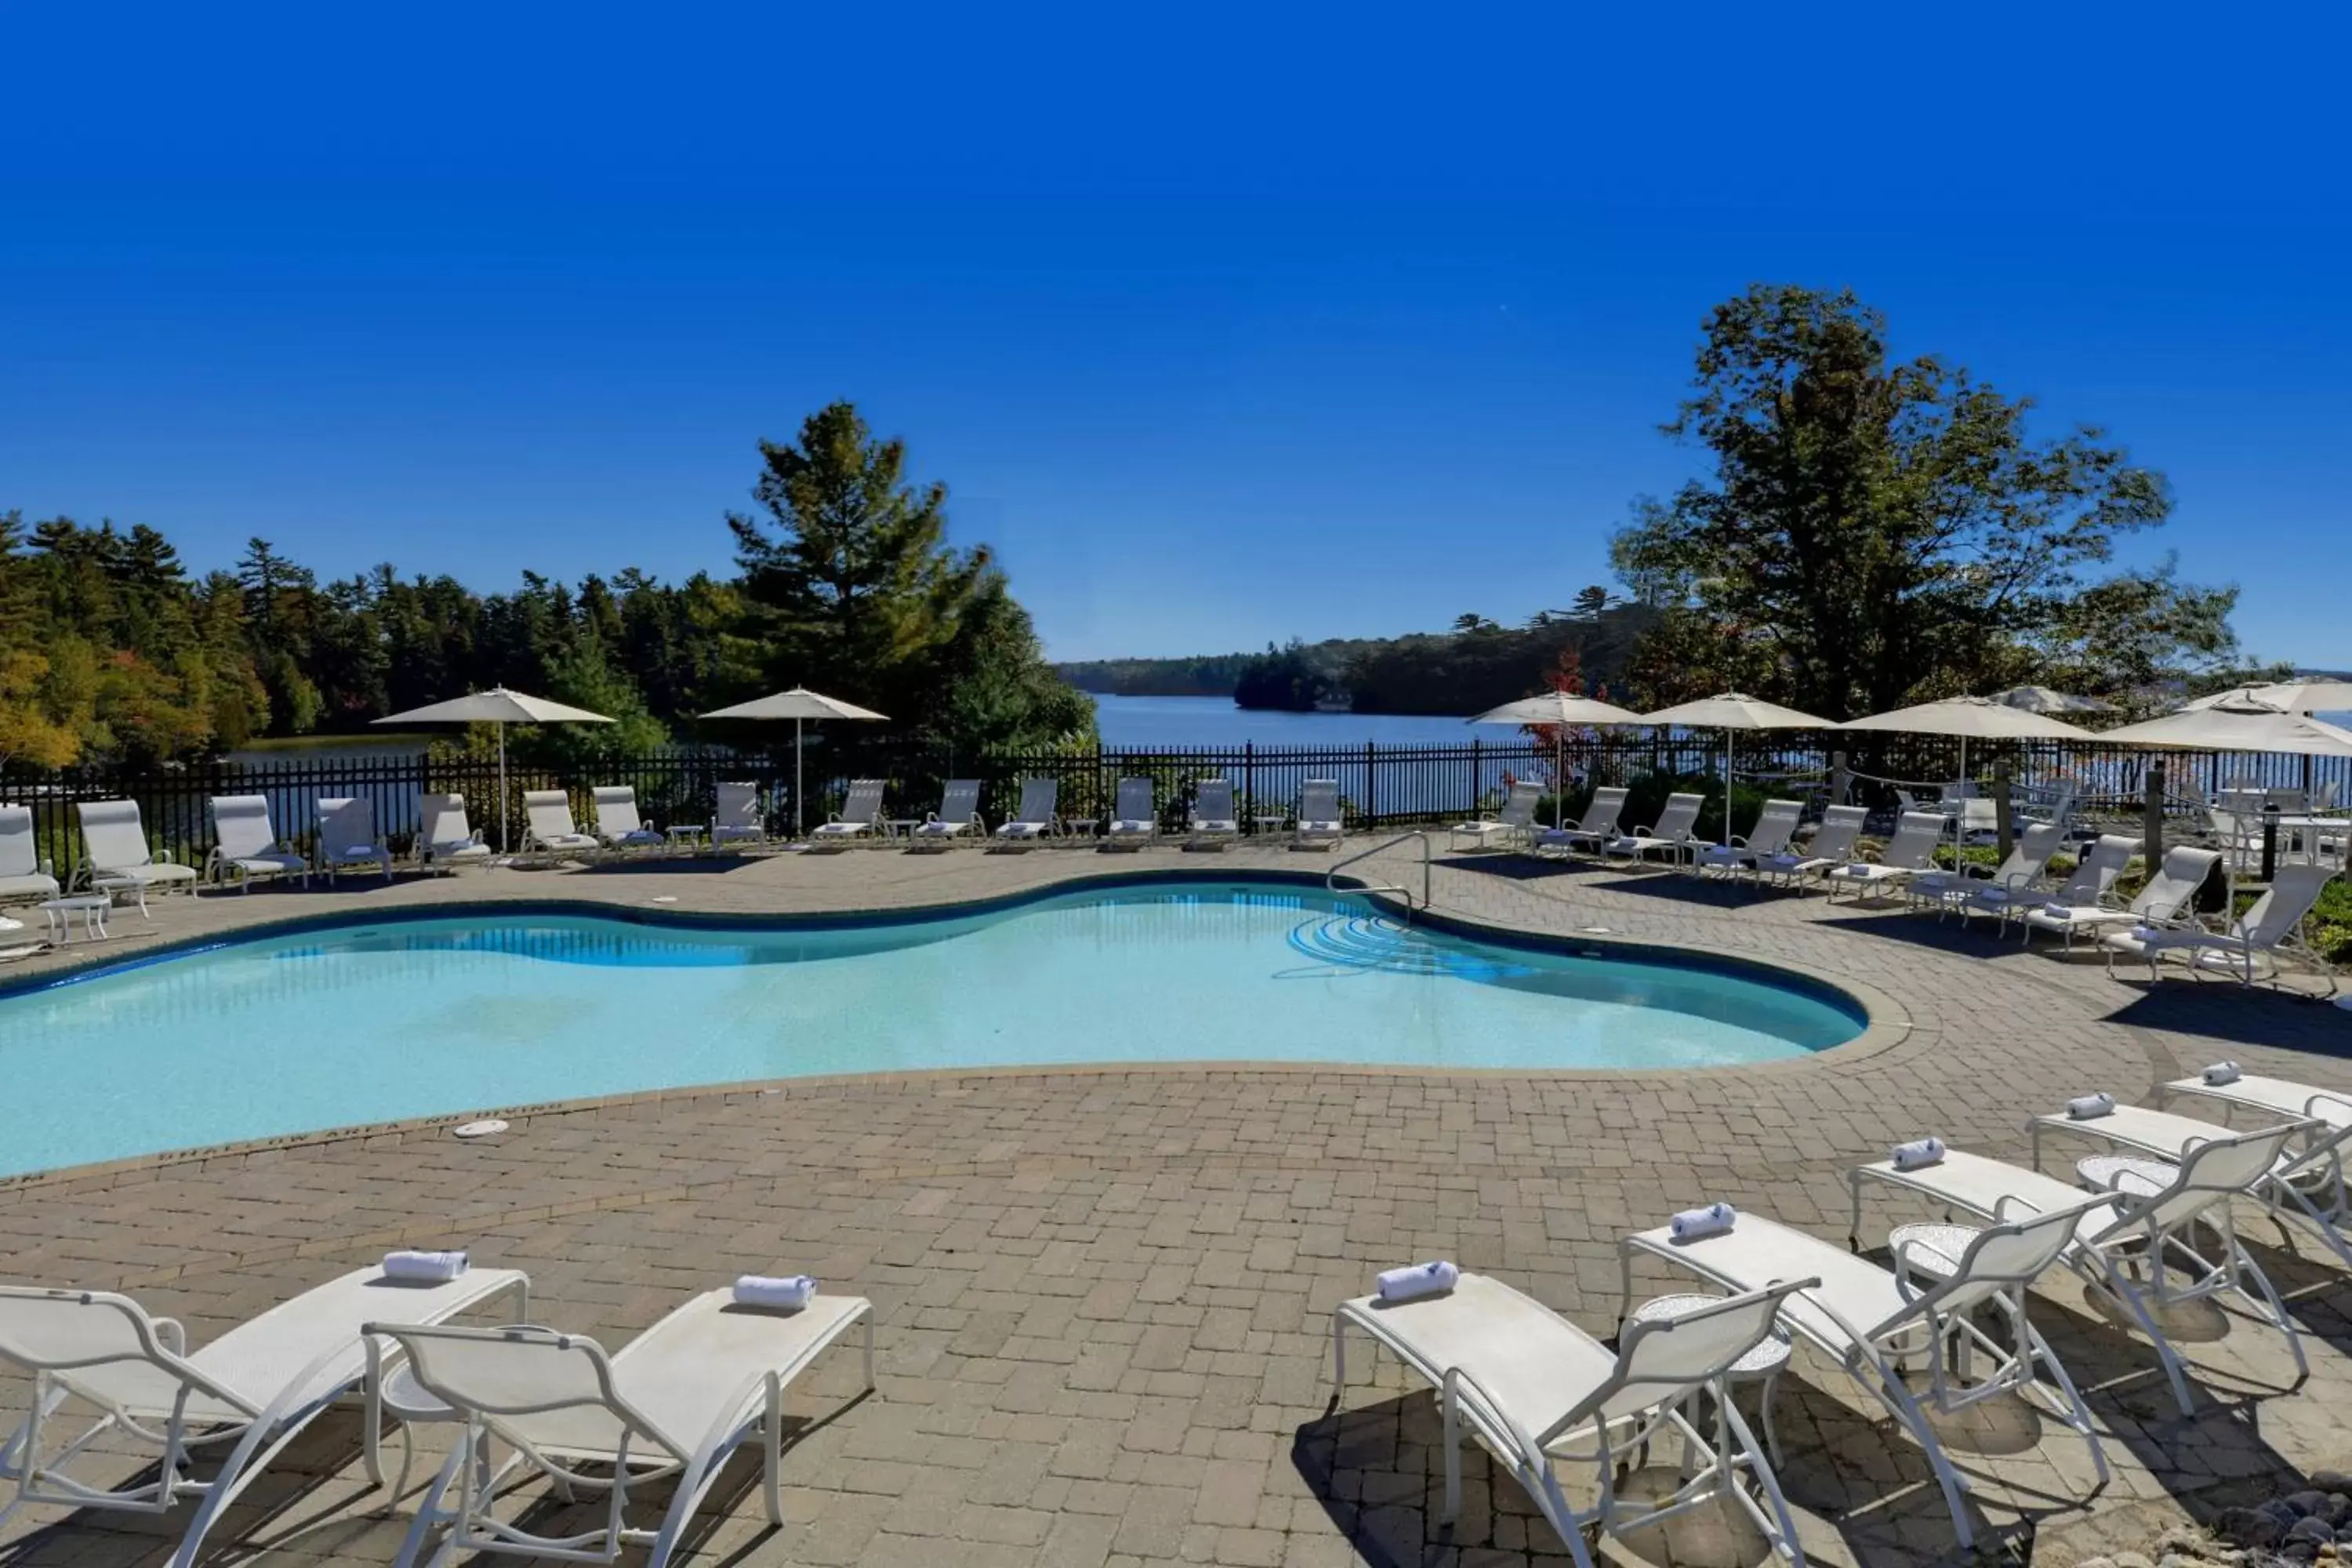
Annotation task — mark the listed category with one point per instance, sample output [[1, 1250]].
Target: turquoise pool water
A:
[[374, 1023]]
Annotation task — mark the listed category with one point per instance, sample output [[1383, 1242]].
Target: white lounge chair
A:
[[2272, 928], [1135, 822], [347, 839], [549, 829], [957, 817], [737, 817], [249, 846], [676, 1400], [2086, 887], [1672, 832], [1035, 819], [445, 839], [256, 1386], [861, 809], [618, 826], [1212, 823], [1596, 827], [23, 874], [1513, 823], [2307, 1183], [2166, 897], [1872, 1320], [2148, 1226], [115, 857], [1776, 825], [1538, 1392], [1831, 846], [1319, 823], [1911, 851], [2011, 881]]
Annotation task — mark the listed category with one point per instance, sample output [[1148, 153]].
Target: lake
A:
[[1129, 721]]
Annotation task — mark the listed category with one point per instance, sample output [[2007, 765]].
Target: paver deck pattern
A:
[[1103, 1296]]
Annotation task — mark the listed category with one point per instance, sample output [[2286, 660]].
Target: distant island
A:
[[1478, 664]]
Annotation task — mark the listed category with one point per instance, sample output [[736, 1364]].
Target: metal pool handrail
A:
[[1330, 877]]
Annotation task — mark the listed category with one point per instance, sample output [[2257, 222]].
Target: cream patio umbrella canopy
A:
[[1971, 718], [502, 708], [1729, 712], [2042, 700], [1559, 711], [2239, 726], [800, 705]]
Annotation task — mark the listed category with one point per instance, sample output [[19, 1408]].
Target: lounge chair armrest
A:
[[1458, 1383], [171, 1333]]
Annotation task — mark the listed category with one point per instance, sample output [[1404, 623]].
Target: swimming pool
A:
[[366, 1023]]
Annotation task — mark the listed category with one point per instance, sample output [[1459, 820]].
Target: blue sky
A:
[[1222, 327]]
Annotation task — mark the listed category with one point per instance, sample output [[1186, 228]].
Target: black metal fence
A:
[[1379, 785]]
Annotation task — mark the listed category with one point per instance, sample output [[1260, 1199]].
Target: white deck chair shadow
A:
[[1873, 1321], [2144, 1227], [256, 1386], [675, 1401], [1212, 823], [2255, 940], [1672, 832], [1318, 825], [1536, 1390], [115, 856], [1596, 827], [1035, 819], [2166, 896], [550, 829], [445, 839], [957, 817], [1135, 821], [861, 808], [618, 826], [347, 839], [1911, 851]]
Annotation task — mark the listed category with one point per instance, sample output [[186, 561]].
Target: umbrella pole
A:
[[796, 778], [501, 728], [1558, 777]]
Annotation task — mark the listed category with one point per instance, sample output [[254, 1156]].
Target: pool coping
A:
[[1885, 1023]]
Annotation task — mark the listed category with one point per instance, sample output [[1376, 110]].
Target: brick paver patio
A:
[[1104, 1295]]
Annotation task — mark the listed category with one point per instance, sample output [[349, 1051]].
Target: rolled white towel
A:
[[434, 1267], [2221, 1073], [1916, 1153], [1420, 1280], [1712, 1220], [2091, 1107], [791, 1290]]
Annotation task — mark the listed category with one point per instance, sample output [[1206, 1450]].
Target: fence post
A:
[[2151, 816], [1838, 781], [1371, 769], [1249, 783], [1478, 781], [2004, 808]]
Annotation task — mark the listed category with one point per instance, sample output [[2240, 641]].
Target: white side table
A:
[[92, 907]]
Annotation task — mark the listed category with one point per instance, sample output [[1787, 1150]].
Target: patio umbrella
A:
[[1729, 712], [2240, 726], [1559, 709], [1971, 718], [800, 705], [2316, 696], [2042, 700], [497, 707]]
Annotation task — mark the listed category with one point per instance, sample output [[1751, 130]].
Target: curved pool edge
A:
[[1884, 1023]]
